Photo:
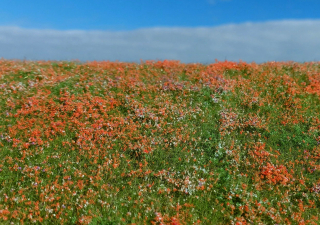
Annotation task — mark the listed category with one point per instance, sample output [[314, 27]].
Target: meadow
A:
[[159, 142]]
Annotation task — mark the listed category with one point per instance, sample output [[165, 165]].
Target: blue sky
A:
[[105, 26], [133, 14]]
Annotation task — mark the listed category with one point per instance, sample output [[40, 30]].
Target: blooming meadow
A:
[[159, 142]]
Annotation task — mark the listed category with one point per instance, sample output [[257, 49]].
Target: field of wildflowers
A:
[[159, 142]]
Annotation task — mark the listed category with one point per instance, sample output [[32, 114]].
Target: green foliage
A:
[[121, 143]]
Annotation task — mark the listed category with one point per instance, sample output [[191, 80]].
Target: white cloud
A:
[[266, 41]]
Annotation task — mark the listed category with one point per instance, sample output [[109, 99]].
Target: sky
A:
[[191, 31]]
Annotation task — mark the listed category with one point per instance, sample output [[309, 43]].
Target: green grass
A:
[[121, 143]]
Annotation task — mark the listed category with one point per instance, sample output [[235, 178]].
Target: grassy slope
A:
[[160, 142]]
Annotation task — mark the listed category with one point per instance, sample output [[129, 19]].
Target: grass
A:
[[159, 142]]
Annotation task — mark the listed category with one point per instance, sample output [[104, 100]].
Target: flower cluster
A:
[[160, 142]]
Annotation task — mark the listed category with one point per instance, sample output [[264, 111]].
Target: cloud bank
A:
[[266, 41]]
